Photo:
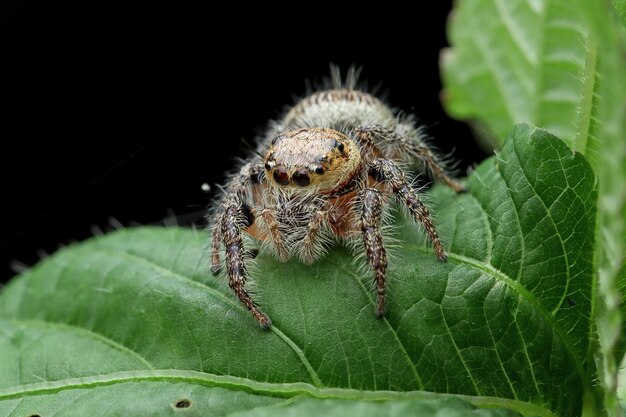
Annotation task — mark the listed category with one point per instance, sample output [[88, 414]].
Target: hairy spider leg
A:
[[235, 261], [233, 216], [387, 172], [403, 141], [370, 208], [237, 191]]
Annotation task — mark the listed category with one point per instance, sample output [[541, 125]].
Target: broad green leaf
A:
[[514, 61], [609, 117], [559, 64], [506, 322]]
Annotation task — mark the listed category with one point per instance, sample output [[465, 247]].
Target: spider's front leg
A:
[[388, 173], [405, 143], [233, 216], [233, 221], [370, 208]]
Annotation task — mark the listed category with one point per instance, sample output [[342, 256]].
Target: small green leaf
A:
[[506, 322]]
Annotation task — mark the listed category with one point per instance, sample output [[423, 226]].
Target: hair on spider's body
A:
[[325, 171]]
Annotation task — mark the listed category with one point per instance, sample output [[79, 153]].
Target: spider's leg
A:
[[233, 221], [251, 253], [216, 241], [387, 172], [238, 189], [369, 208], [234, 215], [405, 142]]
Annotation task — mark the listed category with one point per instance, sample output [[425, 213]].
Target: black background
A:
[[121, 110]]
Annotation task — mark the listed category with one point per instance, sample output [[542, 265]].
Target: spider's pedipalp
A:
[[271, 231], [315, 239]]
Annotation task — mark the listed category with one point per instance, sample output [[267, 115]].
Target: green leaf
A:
[[620, 8], [506, 322], [519, 61], [610, 118], [559, 64]]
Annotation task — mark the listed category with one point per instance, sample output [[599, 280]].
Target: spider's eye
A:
[[339, 146], [280, 176], [270, 163], [319, 170], [301, 178]]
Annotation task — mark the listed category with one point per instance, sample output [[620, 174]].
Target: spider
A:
[[324, 172]]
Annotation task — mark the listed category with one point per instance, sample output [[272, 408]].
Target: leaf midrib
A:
[[279, 390], [522, 292]]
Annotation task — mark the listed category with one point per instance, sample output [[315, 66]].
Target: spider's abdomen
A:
[[340, 109]]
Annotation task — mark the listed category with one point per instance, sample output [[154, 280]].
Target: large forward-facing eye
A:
[[301, 178], [280, 176]]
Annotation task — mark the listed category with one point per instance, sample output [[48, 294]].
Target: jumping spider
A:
[[323, 172]]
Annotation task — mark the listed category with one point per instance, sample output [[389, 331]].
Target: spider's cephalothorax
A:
[[316, 159], [324, 172]]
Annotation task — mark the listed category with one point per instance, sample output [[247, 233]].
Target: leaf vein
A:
[[212, 291], [81, 331], [554, 224], [516, 286], [495, 348], [393, 331], [456, 347], [525, 349]]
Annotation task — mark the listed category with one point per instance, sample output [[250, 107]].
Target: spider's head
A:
[[317, 159]]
